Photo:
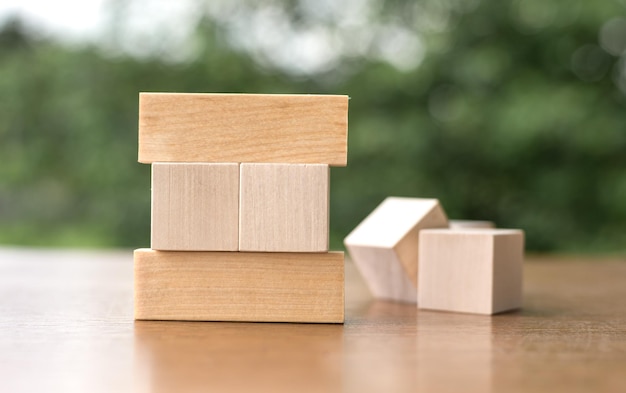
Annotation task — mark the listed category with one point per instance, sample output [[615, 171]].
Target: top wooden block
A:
[[300, 129]]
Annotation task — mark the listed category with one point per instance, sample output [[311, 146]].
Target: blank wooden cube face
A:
[[471, 270], [284, 207], [195, 206]]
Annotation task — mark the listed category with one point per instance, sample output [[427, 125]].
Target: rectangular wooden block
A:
[[195, 207], [243, 128], [284, 207], [470, 270], [238, 286]]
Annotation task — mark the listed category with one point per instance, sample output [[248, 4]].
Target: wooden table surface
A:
[[66, 325]]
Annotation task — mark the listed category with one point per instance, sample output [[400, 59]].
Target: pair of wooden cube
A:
[[408, 251], [240, 207], [240, 194]]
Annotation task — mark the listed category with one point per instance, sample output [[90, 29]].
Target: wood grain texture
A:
[[471, 270], [237, 286], [67, 326], [195, 207], [284, 207], [243, 128], [384, 246]]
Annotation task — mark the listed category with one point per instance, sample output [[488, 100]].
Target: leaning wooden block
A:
[[384, 246], [284, 207], [471, 270], [243, 128], [466, 224], [237, 286], [195, 206]]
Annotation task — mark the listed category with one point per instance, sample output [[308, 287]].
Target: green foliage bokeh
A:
[[514, 120]]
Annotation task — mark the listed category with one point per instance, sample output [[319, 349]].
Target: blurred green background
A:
[[511, 111]]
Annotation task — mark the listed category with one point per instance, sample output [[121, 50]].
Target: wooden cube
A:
[[195, 207], [278, 128], [384, 246], [239, 286], [471, 270], [284, 207]]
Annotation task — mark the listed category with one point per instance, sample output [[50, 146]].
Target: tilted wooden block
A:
[[465, 224], [195, 207], [239, 286], [243, 128], [284, 207], [471, 270], [384, 246]]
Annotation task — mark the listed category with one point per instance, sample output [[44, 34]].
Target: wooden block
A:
[[466, 224], [471, 270], [384, 246], [195, 207], [238, 286], [243, 128], [284, 207]]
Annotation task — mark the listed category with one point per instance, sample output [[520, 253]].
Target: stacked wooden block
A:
[[240, 207], [408, 251]]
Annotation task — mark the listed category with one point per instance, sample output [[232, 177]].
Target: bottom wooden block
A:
[[239, 286]]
